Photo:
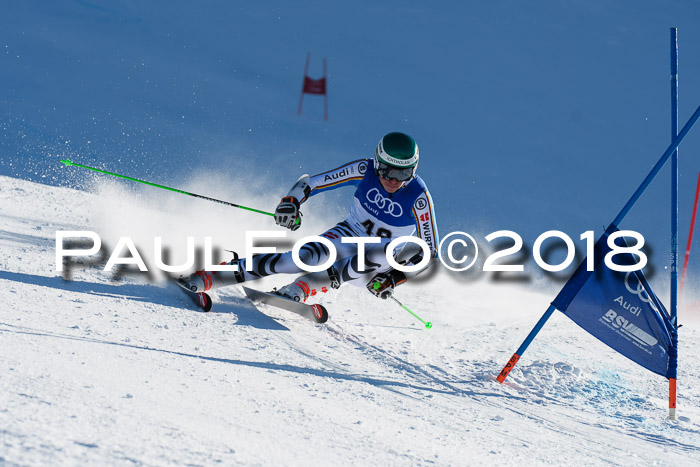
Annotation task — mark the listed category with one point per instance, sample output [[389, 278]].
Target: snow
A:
[[98, 370], [530, 116]]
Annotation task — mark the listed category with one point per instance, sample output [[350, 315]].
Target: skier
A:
[[390, 201]]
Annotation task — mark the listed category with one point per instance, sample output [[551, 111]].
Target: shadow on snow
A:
[[170, 295]]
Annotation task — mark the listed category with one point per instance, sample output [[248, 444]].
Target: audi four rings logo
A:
[[639, 290], [362, 167], [392, 208], [420, 204]]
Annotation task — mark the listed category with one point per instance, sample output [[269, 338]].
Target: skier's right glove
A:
[[287, 213]]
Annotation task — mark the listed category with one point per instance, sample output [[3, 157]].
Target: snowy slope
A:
[[112, 371]]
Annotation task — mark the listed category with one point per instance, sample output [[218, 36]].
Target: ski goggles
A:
[[402, 175]]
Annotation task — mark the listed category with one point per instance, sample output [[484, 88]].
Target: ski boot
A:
[[298, 291], [203, 281]]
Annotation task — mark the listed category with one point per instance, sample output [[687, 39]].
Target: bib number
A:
[[381, 232]]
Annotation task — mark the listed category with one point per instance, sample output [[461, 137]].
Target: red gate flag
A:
[[314, 86]]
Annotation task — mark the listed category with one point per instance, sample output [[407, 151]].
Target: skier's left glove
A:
[[287, 213], [383, 284]]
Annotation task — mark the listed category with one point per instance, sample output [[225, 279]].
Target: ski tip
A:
[[204, 301], [320, 313], [67, 162]]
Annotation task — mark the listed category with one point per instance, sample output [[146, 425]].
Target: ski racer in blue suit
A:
[[390, 201]]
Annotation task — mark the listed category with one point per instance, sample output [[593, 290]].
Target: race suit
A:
[[374, 213]]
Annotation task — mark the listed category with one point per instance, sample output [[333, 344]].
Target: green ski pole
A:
[[427, 324], [69, 163]]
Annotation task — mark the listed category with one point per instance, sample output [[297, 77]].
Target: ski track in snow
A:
[[112, 372]]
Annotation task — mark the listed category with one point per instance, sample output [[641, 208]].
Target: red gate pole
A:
[[306, 72], [690, 236]]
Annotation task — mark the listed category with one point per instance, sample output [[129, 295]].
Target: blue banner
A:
[[620, 309]]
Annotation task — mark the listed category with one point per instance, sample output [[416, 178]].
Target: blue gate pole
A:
[[659, 165], [526, 343], [674, 176], [637, 194], [673, 363]]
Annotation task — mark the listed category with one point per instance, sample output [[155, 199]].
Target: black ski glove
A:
[[287, 213], [383, 284]]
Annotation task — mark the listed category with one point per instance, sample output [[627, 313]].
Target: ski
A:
[[316, 312], [201, 299]]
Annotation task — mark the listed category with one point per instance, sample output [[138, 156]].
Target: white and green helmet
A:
[[396, 157]]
